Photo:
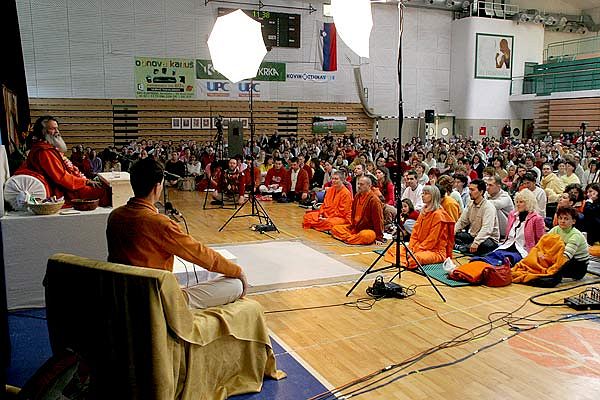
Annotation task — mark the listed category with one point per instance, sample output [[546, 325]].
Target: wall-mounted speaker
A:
[[429, 116]]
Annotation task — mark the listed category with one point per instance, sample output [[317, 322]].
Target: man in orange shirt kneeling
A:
[[138, 235]]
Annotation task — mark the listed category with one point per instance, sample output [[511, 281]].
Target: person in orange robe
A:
[[336, 208], [138, 235], [449, 204], [366, 220], [46, 159], [432, 239]]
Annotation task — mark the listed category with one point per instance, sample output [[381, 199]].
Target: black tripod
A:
[[398, 241], [257, 210], [219, 162]]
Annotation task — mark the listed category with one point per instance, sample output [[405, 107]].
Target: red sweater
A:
[[301, 182], [277, 176]]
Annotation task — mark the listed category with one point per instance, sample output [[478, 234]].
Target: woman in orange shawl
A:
[[432, 239]]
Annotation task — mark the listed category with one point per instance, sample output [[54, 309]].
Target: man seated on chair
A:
[[432, 238], [276, 180], [46, 161], [297, 183], [335, 210], [366, 220], [481, 219], [138, 235], [231, 183]]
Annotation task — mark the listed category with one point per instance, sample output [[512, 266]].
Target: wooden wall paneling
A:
[[118, 121], [568, 114]]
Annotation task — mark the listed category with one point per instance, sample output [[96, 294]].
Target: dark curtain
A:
[[12, 75]]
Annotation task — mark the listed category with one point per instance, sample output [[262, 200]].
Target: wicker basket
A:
[[46, 208], [85, 205]]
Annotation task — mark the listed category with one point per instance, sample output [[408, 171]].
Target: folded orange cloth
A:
[[470, 272]]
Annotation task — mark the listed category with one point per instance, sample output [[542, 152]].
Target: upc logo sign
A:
[[245, 87], [217, 86]]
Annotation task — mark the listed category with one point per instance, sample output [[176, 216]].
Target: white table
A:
[[29, 240]]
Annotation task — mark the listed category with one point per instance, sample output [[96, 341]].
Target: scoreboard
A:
[[278, 29]]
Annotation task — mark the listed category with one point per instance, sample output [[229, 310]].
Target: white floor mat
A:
[[286, 264]]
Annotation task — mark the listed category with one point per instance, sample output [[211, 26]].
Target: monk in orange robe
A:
[[366, 221], [432, 239], [451, 206], [336, 208]]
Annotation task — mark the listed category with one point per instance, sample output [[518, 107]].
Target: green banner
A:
[[268, 71], [164, 78]]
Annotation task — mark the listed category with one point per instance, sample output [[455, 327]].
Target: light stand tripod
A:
[[257, 208], [220, 162], [397, 191]]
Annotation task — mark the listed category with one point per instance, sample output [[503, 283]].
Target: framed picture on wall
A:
[[244, 122], [226, 122], [205, 123], [196, 123], [175, 123], [12, 119], [493, 56], [186, 123]]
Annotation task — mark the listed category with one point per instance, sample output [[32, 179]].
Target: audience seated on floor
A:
[[366, 221], [476, 231], [335, 210], [432, 238], [524, 229], [591, 214]]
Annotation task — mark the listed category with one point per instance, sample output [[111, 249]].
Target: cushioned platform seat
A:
[[134, 328]]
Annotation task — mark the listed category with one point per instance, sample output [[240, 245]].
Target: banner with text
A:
[[164, 78], [228, 90], [268, 71], [310, 76]]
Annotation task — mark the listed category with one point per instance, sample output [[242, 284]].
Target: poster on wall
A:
[[12, 119], [493, 56], [324, 124], [164, 78]]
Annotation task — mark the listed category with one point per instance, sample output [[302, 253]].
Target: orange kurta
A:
[[452, 207], [138, 235], [336, 210], [431, 241], [366, 224]]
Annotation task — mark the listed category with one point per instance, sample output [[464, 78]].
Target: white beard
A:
[[56, 141]]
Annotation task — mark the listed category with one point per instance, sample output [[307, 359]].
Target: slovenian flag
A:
[[328, 37]]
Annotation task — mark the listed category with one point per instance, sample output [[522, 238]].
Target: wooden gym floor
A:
[[342, 343]]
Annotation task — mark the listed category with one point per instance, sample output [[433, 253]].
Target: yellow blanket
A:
[[545, 259]]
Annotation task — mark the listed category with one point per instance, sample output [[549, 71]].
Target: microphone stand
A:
[[257, 208], [166, 188], [398, 241]]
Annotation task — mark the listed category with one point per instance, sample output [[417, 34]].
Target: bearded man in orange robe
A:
[[336, 208], [366, 220], [432, 238], [46, 161]]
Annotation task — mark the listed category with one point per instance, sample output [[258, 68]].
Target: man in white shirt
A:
[[413, 190], [540, 196], [501, 201]]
